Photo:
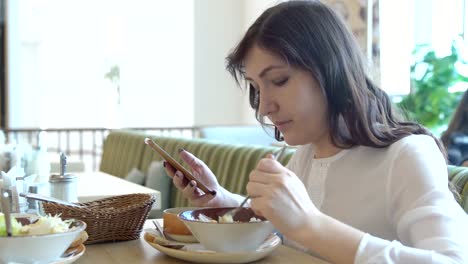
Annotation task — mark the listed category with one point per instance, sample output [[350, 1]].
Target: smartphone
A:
[[177, 165]]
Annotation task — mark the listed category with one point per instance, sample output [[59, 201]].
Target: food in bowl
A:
[[239, 235], [38, 239], [226, 218], [38, 225], [15, 226]]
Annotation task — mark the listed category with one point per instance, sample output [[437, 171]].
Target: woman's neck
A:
[[325, 150]]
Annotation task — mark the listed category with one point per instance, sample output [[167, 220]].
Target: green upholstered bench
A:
[[458, 176], [122, 151], [231, 163]]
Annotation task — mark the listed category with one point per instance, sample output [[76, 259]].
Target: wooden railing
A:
[[83, 144]]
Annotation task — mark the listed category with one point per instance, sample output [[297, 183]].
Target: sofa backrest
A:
[[122, 150], [231, 163], [458, 176]]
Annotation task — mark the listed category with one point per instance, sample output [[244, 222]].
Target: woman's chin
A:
[[291, 141]]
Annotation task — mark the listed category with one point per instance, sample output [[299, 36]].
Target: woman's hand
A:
[[189, 188], [280, 196]]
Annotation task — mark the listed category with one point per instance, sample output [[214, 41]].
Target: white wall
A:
[[61, 50], [396, 44], [218, 27], [171, 56], [252, 10]]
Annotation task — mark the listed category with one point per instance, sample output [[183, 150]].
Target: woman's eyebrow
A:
[[266, 70]]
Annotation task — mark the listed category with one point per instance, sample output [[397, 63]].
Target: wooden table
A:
[[138, 251], [98, 185]]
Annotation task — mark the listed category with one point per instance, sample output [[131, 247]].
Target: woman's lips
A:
[[283, 125]]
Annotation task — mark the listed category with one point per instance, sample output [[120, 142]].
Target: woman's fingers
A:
[[191, 160], [190, 189], [269, 165], [259, 176], [270, 178], [169, 169], [255, 189], [194, 194], [179, 180]]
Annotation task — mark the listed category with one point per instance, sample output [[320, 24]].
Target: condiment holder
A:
[[63, 186]]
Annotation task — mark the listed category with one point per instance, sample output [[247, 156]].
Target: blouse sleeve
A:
[[431, 226]]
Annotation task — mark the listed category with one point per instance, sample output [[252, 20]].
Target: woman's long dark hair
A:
[[310, 36], [459, 121]]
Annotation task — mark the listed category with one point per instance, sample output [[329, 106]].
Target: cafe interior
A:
[[86, 85]]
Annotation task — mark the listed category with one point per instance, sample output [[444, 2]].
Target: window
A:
[[60, 51], [436, 23]]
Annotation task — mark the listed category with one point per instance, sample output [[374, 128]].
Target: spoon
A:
[[165, 242], [159, 228], [234, 211], [5, 200], [44, 198]]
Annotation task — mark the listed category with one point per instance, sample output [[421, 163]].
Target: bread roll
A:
[[80, 239]]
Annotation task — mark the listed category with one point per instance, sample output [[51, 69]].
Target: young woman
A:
[[455, 138], [363, 186]]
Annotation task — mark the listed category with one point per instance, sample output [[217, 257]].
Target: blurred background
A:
[[78, 68]]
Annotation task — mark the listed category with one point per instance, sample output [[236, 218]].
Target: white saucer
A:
[[182, 238], [71, 258], [197, 253]]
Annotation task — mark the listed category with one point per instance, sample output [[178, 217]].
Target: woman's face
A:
[[291, 98]]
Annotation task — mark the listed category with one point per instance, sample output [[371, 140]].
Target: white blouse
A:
[[397, 195]]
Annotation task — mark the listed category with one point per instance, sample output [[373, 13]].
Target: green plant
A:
[[429, 101], [114, 76]]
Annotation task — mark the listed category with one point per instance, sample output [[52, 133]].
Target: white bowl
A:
[[38, 248], [241, 235]]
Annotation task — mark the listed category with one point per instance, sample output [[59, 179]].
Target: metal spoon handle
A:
[[280, 153], [6, 200], [245, 200], [159, 228], [44, 198], [235, 210]]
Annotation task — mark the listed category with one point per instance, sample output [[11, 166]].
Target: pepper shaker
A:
[[63, 186], [33, 205]]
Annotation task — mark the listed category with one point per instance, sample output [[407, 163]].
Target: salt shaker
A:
[[33, 205], [63, 186]]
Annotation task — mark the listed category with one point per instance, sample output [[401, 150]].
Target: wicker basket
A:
[[117, 218]]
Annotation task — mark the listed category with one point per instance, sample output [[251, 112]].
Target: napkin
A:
[[9, 182]]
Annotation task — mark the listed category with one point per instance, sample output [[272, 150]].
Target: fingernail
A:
[[181, 149], [191, 184], [164, 164]]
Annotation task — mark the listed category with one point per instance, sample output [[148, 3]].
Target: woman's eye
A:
[[281, 82]]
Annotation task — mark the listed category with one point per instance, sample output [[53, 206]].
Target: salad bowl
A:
[[43, 241]]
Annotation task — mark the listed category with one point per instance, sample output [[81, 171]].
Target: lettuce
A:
[[15, 226], [46, 225]]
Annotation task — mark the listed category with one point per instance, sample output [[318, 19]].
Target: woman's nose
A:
[[266, 105]]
